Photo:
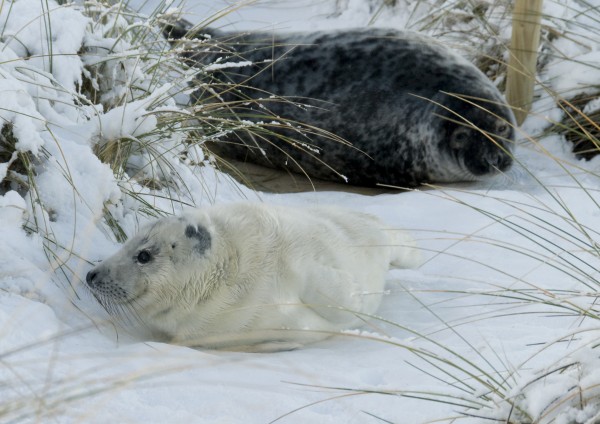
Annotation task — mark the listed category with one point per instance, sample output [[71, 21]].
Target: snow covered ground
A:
[[505, 297]]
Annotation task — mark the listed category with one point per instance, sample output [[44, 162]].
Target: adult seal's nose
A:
[[501, 162], [505, 162]]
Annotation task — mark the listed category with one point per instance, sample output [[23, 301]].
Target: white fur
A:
[[273, 277]]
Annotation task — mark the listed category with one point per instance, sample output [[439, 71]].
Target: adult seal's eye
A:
[[502, 129], [144, 257]]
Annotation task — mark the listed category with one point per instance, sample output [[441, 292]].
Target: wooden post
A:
[[525, 40]]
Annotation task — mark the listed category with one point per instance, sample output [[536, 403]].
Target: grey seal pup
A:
[[410, 109], [251, 277]]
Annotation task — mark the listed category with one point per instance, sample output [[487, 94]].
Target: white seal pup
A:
[[413, 110], [252, 277]]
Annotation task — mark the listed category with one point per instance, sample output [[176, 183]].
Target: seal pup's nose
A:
[[90, 277]]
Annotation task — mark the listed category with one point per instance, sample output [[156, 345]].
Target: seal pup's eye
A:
[[144, 257]]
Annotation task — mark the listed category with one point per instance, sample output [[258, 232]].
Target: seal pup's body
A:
[[252, 277], [413, 111]]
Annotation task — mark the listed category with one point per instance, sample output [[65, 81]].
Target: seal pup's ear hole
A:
[[200, 235], [460, 137]]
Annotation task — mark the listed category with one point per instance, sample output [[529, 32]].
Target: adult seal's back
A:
[[412, 110]]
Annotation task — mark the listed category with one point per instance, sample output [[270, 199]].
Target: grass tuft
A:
[[581, 128], [18, 164]]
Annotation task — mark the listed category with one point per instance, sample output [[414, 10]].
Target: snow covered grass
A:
[[97, 81], [501, 321], [550, 234]]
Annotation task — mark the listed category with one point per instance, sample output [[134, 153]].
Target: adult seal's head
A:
[[476, 135], [413, 110]]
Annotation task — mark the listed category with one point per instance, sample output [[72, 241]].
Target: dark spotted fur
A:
[[391, 94], [202, 236]]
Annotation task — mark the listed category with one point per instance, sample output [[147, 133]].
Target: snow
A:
[[218, 66], [510, 271], [585, 67]]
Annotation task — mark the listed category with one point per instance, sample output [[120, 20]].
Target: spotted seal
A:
[[413, 110], [252, 277]]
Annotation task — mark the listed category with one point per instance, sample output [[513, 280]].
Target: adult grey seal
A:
[[413, 110], [251, 277]]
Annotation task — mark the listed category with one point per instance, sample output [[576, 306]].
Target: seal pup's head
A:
[[155, 268]]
